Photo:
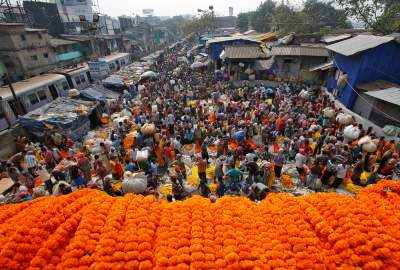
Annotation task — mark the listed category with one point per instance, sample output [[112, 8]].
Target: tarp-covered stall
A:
[[98, 93], [67, 116]]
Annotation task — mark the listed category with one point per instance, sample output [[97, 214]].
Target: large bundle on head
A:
[[367, 144], [73, 93], [344, 119], [116, 121], [134, 183], [148, 129], [140, 155], [351, 132], [304, 94], [329, 112]]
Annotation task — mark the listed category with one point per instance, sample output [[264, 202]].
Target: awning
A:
[[390, 95], [323, 66]]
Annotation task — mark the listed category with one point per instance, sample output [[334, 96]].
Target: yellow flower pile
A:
[[91, 230]]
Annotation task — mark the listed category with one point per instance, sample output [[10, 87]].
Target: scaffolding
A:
[[10, 13]]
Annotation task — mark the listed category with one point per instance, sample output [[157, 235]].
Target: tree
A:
[[286, 20], [261, 19], [243, 21], [175, 25], [323, 15], [199, 25], [381, 16]]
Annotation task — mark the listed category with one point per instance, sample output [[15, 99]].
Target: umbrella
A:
[[197, 65], [149, 74]]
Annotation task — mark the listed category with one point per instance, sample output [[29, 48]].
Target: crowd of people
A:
[[248, 135]]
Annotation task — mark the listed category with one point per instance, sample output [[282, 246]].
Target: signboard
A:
[[148, 11], [98, 70]]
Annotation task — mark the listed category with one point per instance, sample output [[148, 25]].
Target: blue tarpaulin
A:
[[98, 93], [114, 81], [67, 116]]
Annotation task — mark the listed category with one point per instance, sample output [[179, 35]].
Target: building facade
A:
[[25, 52]]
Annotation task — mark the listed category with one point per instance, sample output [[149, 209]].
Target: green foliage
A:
[[381, 16], [261, 19], [286, 20], [174, 25], [322, 15], [199, 25], [316, 16], [243, 21]]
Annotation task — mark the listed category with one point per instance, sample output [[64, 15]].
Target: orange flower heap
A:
[[90, 230]]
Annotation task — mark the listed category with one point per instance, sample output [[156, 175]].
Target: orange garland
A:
[[90, 230]]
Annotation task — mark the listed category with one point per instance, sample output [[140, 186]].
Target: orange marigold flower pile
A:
[[91, 230]]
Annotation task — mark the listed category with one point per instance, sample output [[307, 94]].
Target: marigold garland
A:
[[90, 230]]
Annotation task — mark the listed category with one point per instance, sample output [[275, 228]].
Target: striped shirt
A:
[[31, 161]]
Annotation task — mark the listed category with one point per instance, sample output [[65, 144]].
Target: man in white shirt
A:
[[170, 123], [300, 161], [31, 162]]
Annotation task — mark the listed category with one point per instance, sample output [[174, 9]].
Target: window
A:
[[34, 57], [46, 55], [65, 86], [40, 36], [83, 80], [33, 99], [78, 81], [23, 38], [42, 95]]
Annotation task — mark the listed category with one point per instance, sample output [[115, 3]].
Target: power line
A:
[[365, 100]]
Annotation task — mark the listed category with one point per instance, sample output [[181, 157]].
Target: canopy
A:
[[98, 93], [114, 81], [68, 116]]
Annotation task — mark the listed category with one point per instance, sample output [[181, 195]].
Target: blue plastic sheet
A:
[[67, 116], [98, 93]]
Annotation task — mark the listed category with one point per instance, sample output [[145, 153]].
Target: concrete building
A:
[[106, 25], [25, 52], [70, 10], [44, 15]]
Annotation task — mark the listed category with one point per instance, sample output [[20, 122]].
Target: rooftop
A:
[[55, 42], [244, 52], [114, 56], [299, 51], [376, 85], [333, 39], [390, 95], [358, 44], [226, 39], [29, 84]]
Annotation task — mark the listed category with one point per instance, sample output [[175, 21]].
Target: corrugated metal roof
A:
[[323, 66], [299, 51], [244, 52], [376, 85], [358, 44], [331, 39], [391, 95]]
